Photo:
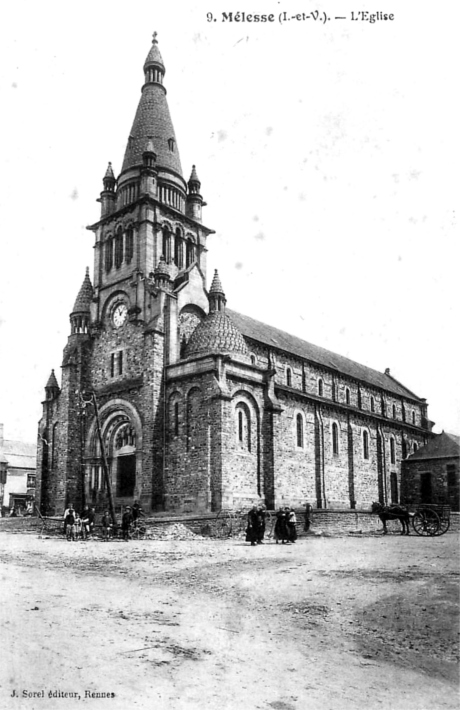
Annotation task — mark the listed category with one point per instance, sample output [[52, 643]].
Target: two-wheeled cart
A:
[[431, 519]]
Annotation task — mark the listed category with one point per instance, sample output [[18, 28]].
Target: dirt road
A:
[[330, 623]]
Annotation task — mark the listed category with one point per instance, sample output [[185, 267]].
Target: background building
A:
[[17, 474], [431, 474], [201, 407]]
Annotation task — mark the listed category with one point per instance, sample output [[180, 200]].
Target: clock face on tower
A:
[[119, 315]]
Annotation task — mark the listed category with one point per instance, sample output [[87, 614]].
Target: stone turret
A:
[[108, 196], [80, 316], [52, 388], [194, 204]]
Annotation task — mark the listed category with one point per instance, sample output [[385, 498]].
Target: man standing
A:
[[308, 516], [260, 524], [126, 523], [66, 512], [137, 511]]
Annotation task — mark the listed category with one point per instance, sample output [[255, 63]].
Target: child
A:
[[78, 527], [70, 524], [106, 525]]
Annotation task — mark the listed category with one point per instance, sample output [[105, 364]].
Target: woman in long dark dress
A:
[[252, 530], [281, 529]]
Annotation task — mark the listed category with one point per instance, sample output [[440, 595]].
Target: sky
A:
[[326, 153]]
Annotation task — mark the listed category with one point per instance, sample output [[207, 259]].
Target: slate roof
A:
[[18, 454], [440, 447], [216, 334], [85, 296], [274, 338]]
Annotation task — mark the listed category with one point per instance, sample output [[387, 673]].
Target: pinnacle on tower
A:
[[109, 177], [107, 198], [80, 315], [194, 200], [85, 295], [52, 387], [194, 183], [217, 298]]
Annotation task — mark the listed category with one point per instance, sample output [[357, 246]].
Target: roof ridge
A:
[[367, 374]]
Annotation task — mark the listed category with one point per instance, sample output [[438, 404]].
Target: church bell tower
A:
[[149, 213]]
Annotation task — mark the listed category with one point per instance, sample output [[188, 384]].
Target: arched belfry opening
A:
[[122, 437]]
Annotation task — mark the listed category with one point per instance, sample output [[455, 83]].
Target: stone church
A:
[[201, 408]]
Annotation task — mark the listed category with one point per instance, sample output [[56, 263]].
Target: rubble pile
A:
[[175, 531]]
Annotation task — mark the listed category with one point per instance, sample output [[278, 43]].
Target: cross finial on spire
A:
[[154, 38]]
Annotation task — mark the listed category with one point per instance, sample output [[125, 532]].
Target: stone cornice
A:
[[331, 404]]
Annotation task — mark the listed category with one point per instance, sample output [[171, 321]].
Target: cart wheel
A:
[[425, 522], [444, 525]]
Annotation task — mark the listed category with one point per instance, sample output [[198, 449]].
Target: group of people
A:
[[285, 525], [129, 519], [81, 527], [76, 526], [255, 530]]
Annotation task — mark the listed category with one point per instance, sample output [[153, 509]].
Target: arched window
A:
[[129, 246], [253, 360], [404, 448], [243, 426], [365, 444], [372, 404], [119, 249], [179, 250], [393, 409], [347, 395], [53, 446], [176, 419], [108, 254], [167, 245], [392, 451], [190, 252], [320, 387], [299, 431], [415, 447], [335, 439], [394, 488], [413, 417], [289, 377]]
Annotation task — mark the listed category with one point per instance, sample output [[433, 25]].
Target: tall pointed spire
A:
[[153, 121]]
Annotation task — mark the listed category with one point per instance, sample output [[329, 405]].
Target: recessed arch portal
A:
[[121, 431]]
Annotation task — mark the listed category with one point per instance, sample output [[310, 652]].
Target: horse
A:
[[392, 512]]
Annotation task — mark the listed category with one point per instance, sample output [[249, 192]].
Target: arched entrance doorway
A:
[[122, 437]]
